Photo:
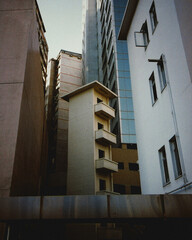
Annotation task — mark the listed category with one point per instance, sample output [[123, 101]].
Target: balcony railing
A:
[[104, 111], [106, 192], [104, 164], [104, 137]]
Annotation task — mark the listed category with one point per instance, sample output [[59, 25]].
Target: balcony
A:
[[104, 164], [104, 137], [104, 111]]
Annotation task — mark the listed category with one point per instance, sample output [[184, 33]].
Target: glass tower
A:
[[113, 64]]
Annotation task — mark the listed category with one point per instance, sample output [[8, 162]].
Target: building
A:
[[22, 122], [159, 38], [109, 58], [126, 180], [89, 140], [64, 77]]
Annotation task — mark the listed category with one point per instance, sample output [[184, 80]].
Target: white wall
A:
[[154, 124]]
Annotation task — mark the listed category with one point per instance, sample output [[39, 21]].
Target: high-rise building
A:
[[22, 121], [64, 77], [159, 39], [109, 58], [89, 150]]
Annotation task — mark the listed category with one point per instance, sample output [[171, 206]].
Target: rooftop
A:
[[96, 85]]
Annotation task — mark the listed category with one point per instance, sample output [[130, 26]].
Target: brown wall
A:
[[184, 15], [21, 99], [125, 176]]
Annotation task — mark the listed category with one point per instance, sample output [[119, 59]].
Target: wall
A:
[[125, 176], [154, 124], [81, 139], [21, 88]]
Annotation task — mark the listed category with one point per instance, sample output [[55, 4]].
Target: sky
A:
[[62, 20]]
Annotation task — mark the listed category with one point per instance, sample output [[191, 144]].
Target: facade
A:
[[160, 62], [89, 150], [64, 77], [109, 57], [126, 180], [22, 122]]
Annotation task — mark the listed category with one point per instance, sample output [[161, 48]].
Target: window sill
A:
[[176, 178], [165, 184], [153, 30], [154, 102], [164, 88]]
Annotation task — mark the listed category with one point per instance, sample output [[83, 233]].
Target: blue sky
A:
[[62, 20]]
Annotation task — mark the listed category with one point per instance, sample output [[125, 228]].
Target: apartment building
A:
[[158, 34], [90, 164], [64, 77]]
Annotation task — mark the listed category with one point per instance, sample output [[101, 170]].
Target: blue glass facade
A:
[[126, 114], [115, 67]]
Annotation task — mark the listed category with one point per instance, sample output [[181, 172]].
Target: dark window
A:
[[99, 100], [133, 166], [102, 184], [119, 188], [101, 153], [120, 165], [153, 88], [153, 17], [164, 166], [100, 126], [162, 77], [175, 157], [144, 30], [135, 190]]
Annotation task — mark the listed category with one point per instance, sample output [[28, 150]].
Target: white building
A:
[[159, 36]]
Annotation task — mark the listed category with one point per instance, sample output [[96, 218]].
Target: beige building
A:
[[127, 179], [90, 164], [64, 77]]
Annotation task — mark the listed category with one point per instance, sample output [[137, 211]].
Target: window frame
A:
[[175, 158], [121, 165], [162, 74], [164, 166], [153, 17], [153, 88]]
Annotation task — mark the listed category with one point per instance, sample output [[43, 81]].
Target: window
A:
[[175, 157], [153, 88], [120, 165], [102, 184], [100, 126], [135, 190], [142, 37], [162, 76], [164, 166], [144, 30], [101, 153], [119, 188], [99, 100], [153, 17], [133, 166]]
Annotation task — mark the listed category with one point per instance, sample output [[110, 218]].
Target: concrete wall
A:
[[154, 124], [22, 101], [81, 140]]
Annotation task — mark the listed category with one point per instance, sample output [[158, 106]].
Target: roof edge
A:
[[96, 85], [127, 19]]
